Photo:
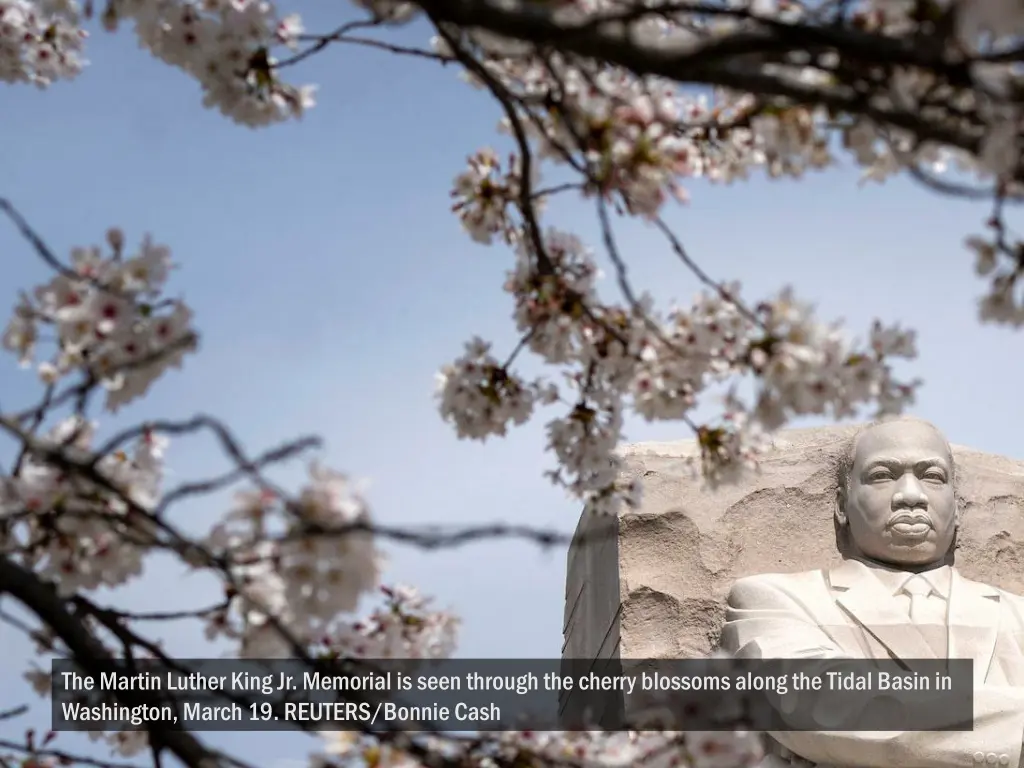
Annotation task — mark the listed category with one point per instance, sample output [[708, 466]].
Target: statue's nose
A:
[[909, 493]]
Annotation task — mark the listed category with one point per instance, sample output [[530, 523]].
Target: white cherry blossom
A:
[[109, 321]]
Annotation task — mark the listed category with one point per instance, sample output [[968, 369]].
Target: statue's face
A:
[[900, 504]]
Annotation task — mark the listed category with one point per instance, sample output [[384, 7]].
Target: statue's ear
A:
[[840, 505]]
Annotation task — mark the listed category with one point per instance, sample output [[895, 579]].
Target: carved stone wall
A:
[[657, 588]]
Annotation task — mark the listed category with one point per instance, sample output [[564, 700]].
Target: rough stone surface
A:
[[656, 589]]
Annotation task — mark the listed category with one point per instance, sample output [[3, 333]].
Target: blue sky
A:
[[330, 282]]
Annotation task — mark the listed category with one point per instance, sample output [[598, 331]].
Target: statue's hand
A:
[[796, 761]]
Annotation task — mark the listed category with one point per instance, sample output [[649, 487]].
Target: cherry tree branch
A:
[[731, 60], [42, 599]]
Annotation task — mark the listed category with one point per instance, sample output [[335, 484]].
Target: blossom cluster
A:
[[294, 567], [483, 194], [1002, 262], [226, 45], [617, 355], [405, 626], [77, 531], [82, 519], [639, 142], [296, 564], [39, 42], [109, 320], [633, 143]]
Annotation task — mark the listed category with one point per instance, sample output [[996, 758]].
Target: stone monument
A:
[[656, 586]]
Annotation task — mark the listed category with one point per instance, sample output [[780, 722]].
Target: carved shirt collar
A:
[[939, 579]]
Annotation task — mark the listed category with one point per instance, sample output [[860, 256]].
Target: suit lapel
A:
[[870, 606], [974, 611]]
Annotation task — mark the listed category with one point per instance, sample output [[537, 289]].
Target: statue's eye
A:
[[935, 476], [879, 475]]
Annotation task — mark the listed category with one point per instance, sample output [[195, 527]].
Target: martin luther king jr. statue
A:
[[895, 594]]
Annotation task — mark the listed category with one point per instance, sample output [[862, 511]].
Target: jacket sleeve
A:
[[765, 621]]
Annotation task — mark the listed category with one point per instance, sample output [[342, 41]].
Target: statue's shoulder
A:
[[1013, 597], [1017, 601], [1013, 604], [1004, 594], [799, 581]]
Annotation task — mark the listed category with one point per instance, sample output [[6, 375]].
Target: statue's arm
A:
[[766, 620], [994, 742]]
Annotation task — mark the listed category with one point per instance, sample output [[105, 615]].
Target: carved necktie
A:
[[927, 613], [918, 589]]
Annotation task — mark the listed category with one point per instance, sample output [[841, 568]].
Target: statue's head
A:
[[896, 501]]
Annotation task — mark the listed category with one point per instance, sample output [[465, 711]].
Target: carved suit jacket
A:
[[846, 612]]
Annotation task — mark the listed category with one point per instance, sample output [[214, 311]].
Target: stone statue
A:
[[895, 594]]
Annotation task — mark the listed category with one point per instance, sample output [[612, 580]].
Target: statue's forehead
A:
[[901, 439]]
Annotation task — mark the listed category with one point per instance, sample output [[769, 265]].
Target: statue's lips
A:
[[911, 525]]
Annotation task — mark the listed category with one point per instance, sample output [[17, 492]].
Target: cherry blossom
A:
[[83, 533], [110, 321], [226, 45], [483, 194], [481, 395], [405, 627], [39, 42], [618, 354], [291, 588]]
